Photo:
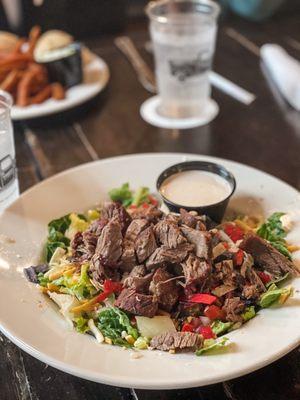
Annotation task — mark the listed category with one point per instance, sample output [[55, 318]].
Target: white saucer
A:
[[149, 112]]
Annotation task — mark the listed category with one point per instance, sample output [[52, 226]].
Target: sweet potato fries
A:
[[26, 80]]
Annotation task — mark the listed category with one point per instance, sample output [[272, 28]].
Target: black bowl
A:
[[215, 211]]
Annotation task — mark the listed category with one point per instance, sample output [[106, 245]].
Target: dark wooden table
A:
[[265, 135]]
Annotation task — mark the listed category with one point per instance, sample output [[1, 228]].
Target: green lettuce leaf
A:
[[112, 322], [123, 194], [272, 230], [56, 235], [274, 295], [211, 344], [220, 327], [81, 324], [249, 313], [140, 196]]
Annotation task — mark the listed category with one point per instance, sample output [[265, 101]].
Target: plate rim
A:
[[136, 382]]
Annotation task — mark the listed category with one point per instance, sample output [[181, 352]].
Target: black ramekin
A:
[[215, 211], [66, 69]]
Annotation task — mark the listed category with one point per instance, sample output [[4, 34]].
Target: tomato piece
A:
[[214, 312], [112, 287], [152, 200], [264, 277], [203, 298], [145, 205], [206, 332], [234, 232], [132, 207], [187, 328], [102, 296], [239, 257]]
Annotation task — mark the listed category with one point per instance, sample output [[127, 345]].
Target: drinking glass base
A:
[[149, 112]]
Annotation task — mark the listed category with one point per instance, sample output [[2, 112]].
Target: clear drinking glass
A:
[[183, 33], [9, 186]]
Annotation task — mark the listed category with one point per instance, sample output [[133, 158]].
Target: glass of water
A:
[[183, 33], [9, 187]]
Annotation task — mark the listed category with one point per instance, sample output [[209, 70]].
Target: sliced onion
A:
[[222, 290]]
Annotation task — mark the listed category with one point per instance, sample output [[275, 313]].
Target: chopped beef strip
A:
[[109, 245], [250, 292], [255, 280], [233, 307], [177, 341], [165, 255], [151, 213], [164, 290], [145, 244], [139, 279], [266, 256], [136, 303], [226, 274], [113, 210], [188, 218], [168, 233], [128, 258], [78, 251], [195, 270], [200, 239], [97, 226], [135, 228]]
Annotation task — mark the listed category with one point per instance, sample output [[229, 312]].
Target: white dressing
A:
[[195, 188]]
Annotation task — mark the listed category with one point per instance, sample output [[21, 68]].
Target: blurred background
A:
[[91, 17]]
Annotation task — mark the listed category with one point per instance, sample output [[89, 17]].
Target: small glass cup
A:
[[183, 33], [9, 185]]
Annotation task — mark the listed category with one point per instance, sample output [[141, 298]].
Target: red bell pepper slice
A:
[[109, 287], [187, 328], [264, 277], [206, 332], [203, 298], [234, 232], [239, 257], [214, 312]]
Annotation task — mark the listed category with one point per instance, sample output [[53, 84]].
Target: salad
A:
[[132, 276]]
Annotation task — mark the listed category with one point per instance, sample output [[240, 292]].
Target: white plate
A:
[[95, 78], [34, 324]]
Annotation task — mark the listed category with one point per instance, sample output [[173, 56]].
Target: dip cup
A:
[[215, 211]]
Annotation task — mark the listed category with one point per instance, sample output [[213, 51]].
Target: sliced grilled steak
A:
[[195, 270], [136, 303], [139, 279], [31, 273], [168, 233], [109, 244], [113, 210], [97, 226], [200, 239], [266, 256], [145, 244], [135, 228], [164, 290], [128, 258], [165, 255], [177, 341], [151, 213], [187, 218], [225, 273], [234, 307]]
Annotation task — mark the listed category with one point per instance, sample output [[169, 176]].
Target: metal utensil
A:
[[147, 77], [144, 73]]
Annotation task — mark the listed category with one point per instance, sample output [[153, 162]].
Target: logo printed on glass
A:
[[189, 68], [8, 172]]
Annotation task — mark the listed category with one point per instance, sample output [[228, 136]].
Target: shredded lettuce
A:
[[212, 344], [274, 295], [126, 196], [249, 313], [43, 280], [140, 196], [279, 280], [56, 235], [81, 288], [81, 324], [113, 322], [219, 327], [122, 194], [273, 231]]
